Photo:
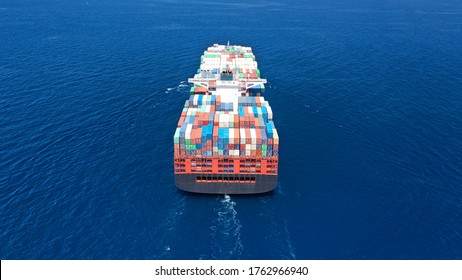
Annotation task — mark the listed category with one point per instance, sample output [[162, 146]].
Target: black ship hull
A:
[[226, 183]]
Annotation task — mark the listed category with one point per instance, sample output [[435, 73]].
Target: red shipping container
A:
[[215, 133]]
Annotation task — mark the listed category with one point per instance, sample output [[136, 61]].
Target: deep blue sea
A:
[[366, 95]]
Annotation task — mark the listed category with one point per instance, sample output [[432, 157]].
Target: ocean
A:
[[366, 95]]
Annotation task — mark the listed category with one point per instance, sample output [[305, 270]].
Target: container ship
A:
[[225, 141]]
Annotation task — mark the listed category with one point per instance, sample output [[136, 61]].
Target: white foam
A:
[[226, 233]]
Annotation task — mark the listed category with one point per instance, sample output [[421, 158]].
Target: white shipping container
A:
[[176, 137], [196, 99], [275, 136], [270, 111], [231, 136], [242, 135], [188, 131], [191, 112], [253, 135]]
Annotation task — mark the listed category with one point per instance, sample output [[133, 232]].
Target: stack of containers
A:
[[247, 67], [210, 128], [206, 140], [223, 141], [240, 59], [226, 134], [202, 131], [198, 100], [257, 138]]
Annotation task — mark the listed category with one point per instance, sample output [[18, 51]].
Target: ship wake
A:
[[180, 88], [226, 231]]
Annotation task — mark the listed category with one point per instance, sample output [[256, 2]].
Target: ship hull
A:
[[226, 183]]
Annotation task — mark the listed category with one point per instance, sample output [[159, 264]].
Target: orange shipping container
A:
[[259, 139], [236, 135], [248, 139], [200, 90], [180, 122]]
